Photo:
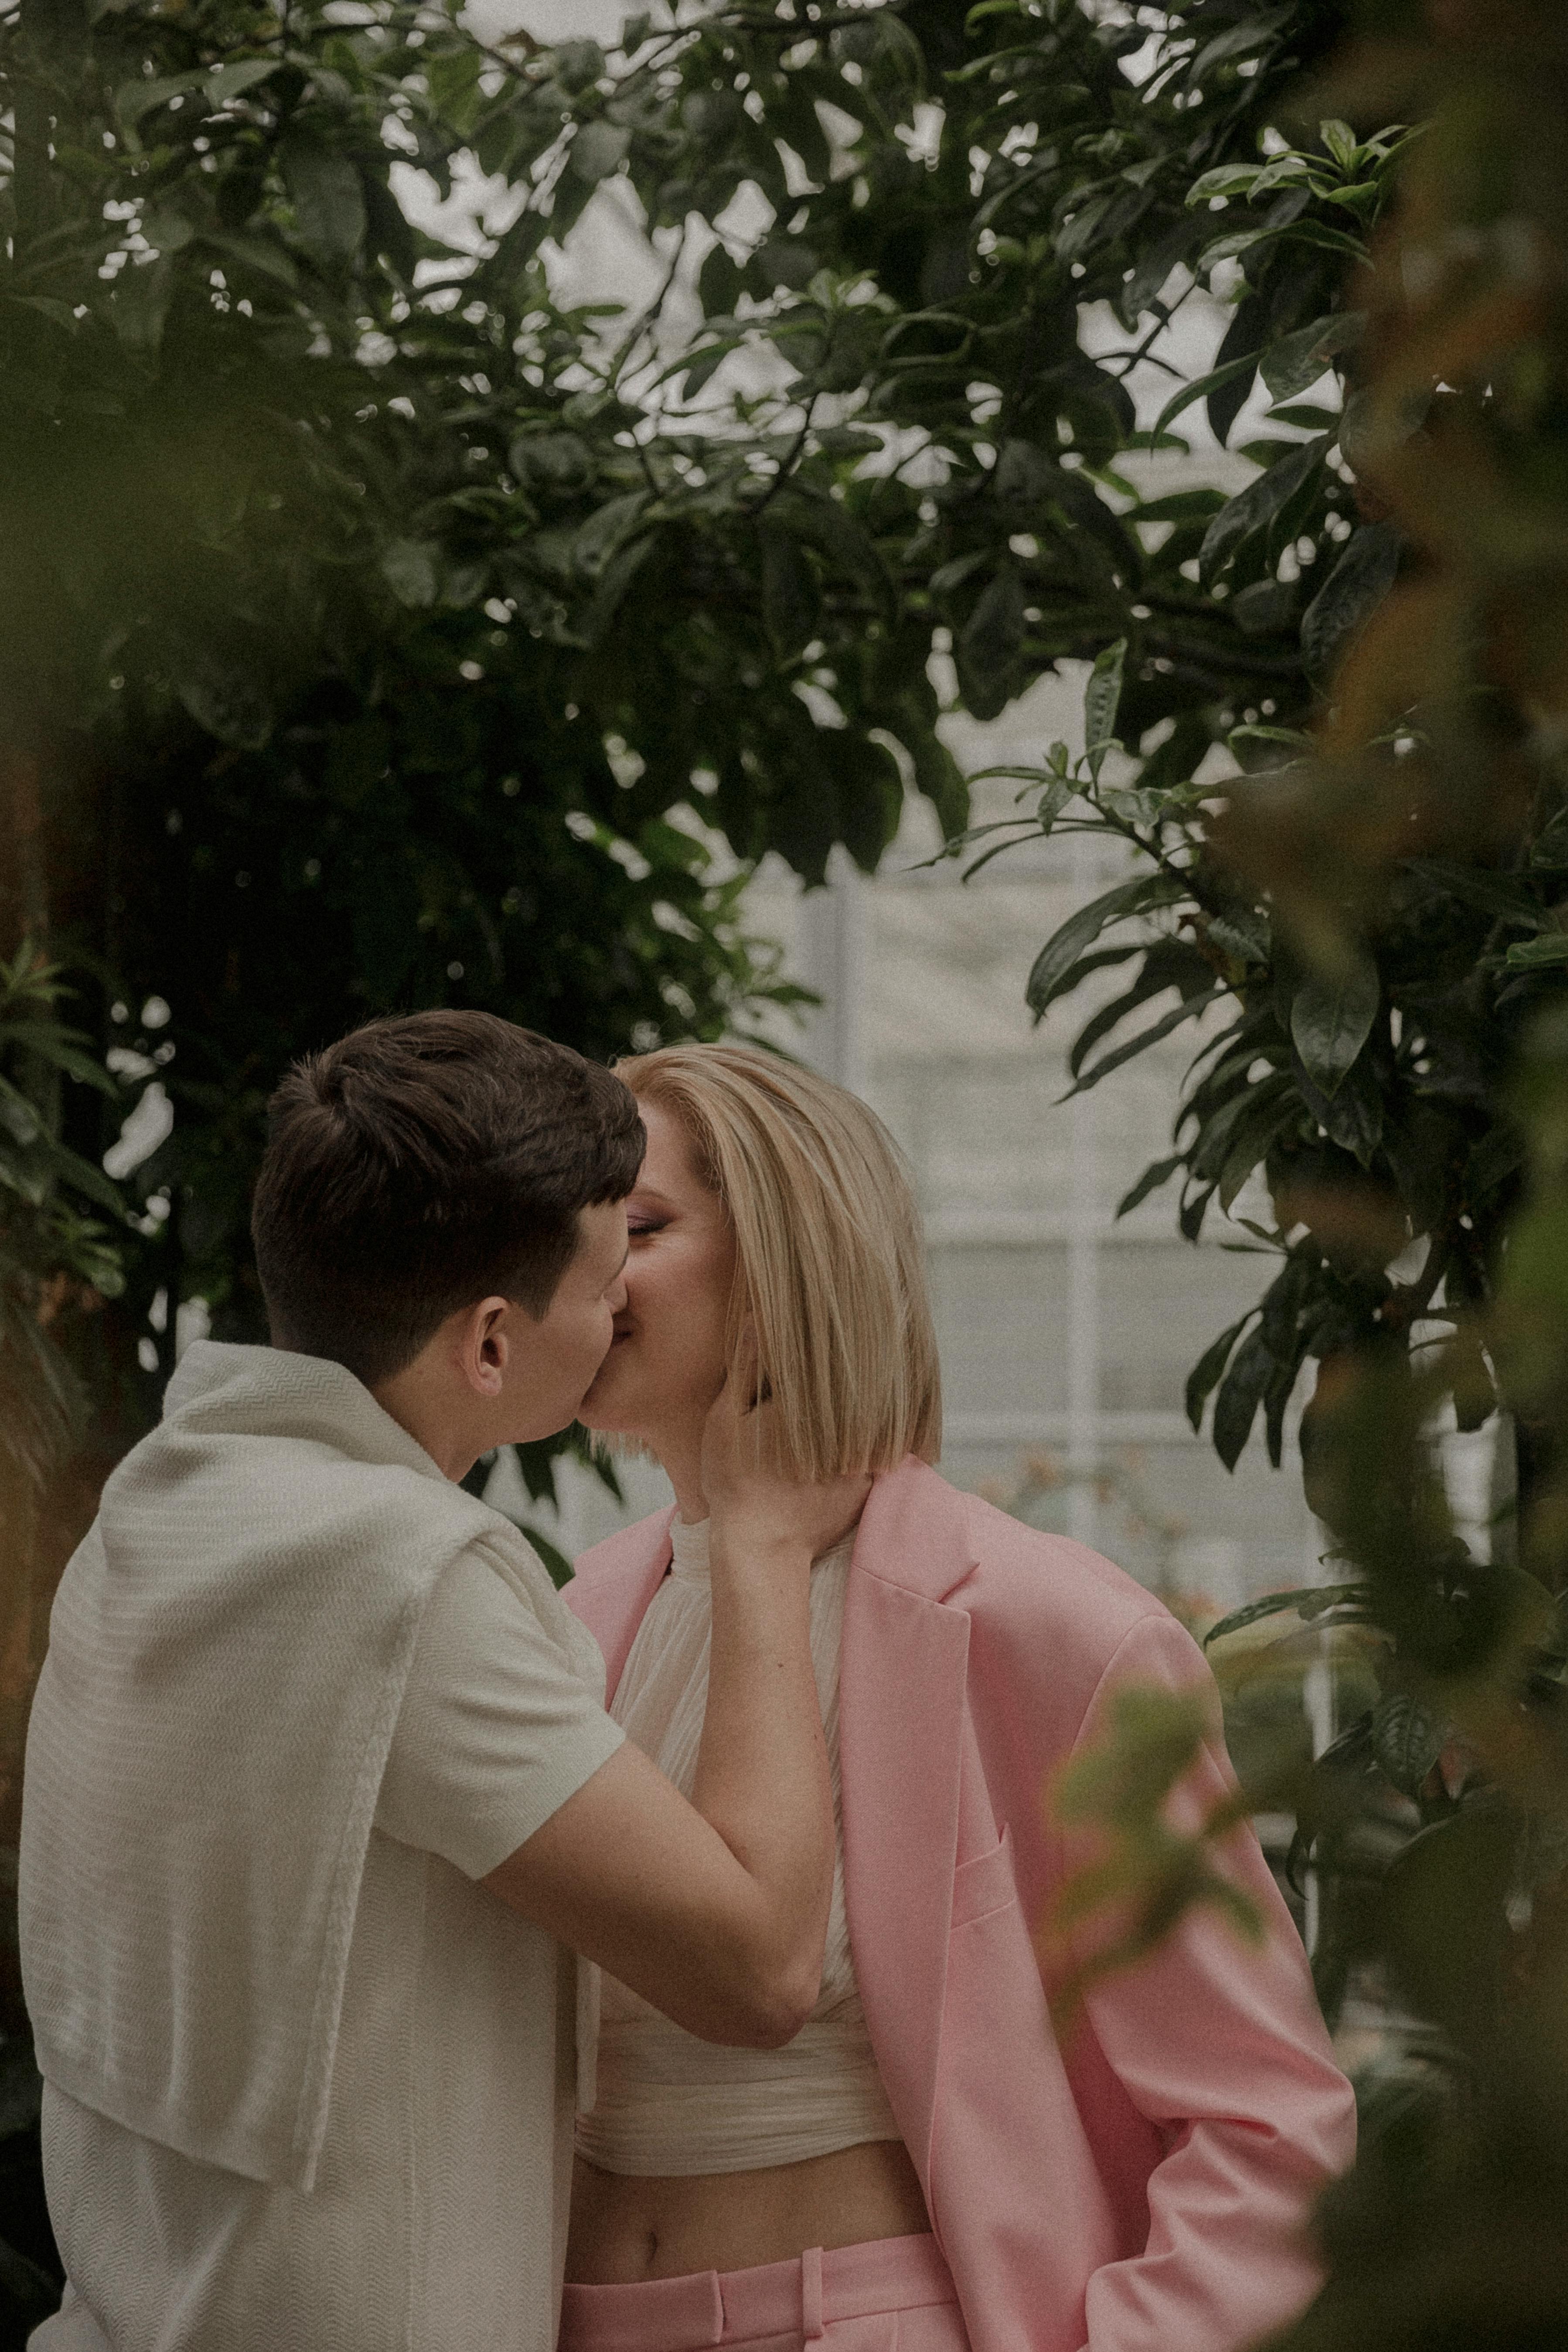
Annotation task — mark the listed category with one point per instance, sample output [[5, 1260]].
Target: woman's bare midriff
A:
[[625, 2228]]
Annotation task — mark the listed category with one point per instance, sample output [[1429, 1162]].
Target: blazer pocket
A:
[[984, 1885]]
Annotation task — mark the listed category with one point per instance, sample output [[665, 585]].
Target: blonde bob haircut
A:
[[830, 1263]]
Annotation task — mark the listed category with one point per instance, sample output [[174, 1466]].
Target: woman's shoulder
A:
[[1040, 1605]]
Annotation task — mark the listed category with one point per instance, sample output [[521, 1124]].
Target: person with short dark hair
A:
[[418, 1163], [322, 1795]]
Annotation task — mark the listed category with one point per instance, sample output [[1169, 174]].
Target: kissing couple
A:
[[404, 1939]]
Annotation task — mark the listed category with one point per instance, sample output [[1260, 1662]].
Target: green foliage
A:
[[940, 210], [1114, 1801], [352, 649], [946, 197], [1416, 839], [1366, 1098], [62, 1222], [372, 516]]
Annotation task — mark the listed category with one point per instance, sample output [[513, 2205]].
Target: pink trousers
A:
[[892, 2295]]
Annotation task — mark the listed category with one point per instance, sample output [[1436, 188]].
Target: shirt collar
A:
[[223, 1390]]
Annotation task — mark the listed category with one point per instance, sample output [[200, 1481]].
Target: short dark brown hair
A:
[[421, 1163]]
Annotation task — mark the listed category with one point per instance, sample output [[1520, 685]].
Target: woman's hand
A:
[[753, 1506]]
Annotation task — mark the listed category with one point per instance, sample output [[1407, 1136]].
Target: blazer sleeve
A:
[[1219, 2043]]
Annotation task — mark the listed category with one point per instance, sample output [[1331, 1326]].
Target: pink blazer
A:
[[1144, 2188]]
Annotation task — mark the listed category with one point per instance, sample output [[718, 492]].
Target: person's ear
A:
[[486, 1346]]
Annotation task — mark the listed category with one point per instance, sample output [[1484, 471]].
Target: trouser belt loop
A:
[[811, 2326]]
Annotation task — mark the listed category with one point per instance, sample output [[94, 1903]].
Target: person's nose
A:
[[616, 1297]]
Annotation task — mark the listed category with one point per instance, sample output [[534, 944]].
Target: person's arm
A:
[[1219, 2042], [717, 1911]]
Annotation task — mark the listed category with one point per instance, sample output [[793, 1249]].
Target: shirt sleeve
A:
[[496, 1728]]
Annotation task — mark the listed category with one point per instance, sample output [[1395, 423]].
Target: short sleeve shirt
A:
[[439, 2218], [501, 1720]]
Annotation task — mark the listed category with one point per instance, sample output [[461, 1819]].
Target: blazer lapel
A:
[[901, 1716], [612, 1586]]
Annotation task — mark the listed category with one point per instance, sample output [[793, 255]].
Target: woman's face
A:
[[666, 1363]]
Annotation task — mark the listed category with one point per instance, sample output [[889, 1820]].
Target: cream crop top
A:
[[664, 2102]]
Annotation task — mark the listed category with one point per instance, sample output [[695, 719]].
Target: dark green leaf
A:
[[994, 629], [1239, 1396], [614, 578], [1406, 1740], [1308, 1603], [1180, 506], [166, 229], [412, 570], [1193, 1209], [1264, 607], [598, 149], [578, 64], [1352, 591], [137, 99], [226, 699], [1352, 1115], [1551, 949], [1499, 1155], [227, 82], [607, 528], [870, 793], [1513, 897], [258, 253], [551, 461], [1206, 1371], [937, 773], [452, 78], [1330, 1020], [328, 202], [1551, 846], [719, 283], [1307, 415], [1255, 507], [63, 1049], [1102, 696], [1220, 1123], [1140, 895], [558, 1566], [1080, 968], [1158, 1173], [1187, 1010], [1168, 963], [1294, 364], [1253, 1137], [790, 602], [785, 261], [1201, 387]]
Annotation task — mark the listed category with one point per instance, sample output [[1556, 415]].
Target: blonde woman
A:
[[923, 2165]]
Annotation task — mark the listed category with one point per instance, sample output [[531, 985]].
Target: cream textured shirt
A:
[[435, 2219], [666, 2103]]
